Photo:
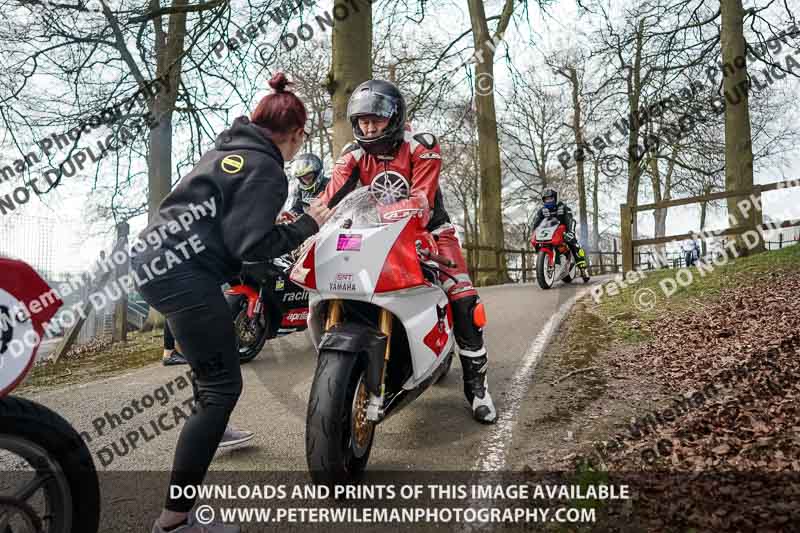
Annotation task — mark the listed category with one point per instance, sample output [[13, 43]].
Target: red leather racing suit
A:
[[414, 170]]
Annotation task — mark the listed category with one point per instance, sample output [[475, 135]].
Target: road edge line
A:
[[492, 455]]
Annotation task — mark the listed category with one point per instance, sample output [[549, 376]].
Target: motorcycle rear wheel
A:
[[64, 486], [338, 436], [573, 273]]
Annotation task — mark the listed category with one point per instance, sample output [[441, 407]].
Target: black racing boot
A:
[[476, 388]]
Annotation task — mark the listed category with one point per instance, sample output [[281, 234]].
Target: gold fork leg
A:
[[385, 325], [334, 314]]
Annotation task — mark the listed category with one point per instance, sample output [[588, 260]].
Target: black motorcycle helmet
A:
[[550, 198], [381, 98], [306, 164]]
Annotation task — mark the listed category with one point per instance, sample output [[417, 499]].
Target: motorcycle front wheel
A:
[[49, 479], [338, 435], [545, 274]]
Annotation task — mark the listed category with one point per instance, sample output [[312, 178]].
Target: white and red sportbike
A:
[[380, 321]]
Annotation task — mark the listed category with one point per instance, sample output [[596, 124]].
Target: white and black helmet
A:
[[306, 164]]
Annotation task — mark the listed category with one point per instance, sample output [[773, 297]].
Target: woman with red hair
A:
[[220, 214]]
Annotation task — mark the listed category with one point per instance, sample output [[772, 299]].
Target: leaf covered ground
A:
[[700, 399]]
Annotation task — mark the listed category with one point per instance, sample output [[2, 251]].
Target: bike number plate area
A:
[[349, 242]]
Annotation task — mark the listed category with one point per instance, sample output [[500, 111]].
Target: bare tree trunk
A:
[[491, 210], [703, 215], [738, 140], [351, 65], [596, 208], [577, 127], [634, 93], [659, 214], [169, 49]]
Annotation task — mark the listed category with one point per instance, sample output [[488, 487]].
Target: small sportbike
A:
[[554, 260], [380, 321], [48, 481], [265, 305]]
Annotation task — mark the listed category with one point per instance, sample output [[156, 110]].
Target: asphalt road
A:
[[435, 432]]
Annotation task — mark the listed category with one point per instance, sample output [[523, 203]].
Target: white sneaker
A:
[[193, 526], [234, 437]]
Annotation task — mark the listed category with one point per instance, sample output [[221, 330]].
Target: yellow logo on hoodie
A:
[[232, 164]]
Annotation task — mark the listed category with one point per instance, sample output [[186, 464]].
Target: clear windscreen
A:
[[360, 206], [548, 223]]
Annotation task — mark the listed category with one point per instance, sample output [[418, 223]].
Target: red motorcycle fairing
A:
[[250, 293], [402, 270], [26, 288], [550, 246], [295, 318]]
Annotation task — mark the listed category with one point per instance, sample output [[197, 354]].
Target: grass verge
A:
[[628, 308], [96, 360]]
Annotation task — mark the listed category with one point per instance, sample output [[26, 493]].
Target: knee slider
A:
[[469, 317]]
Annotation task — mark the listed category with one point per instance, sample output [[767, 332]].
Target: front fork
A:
[[375, 405]]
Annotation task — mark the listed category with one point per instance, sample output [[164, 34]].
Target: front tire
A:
[[338, 436], [62, 468], [545, 274]]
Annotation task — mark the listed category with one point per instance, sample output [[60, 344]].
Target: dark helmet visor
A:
[[371, 103]]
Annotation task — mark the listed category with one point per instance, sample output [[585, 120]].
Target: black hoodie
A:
[[228, 203]]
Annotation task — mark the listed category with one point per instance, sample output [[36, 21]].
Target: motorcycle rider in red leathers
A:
[[402, 167]]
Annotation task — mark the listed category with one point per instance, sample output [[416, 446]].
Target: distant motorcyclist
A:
[[552, 207], [311, 181]]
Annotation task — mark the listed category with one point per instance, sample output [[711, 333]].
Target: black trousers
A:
[[200, 320], [169, 340]]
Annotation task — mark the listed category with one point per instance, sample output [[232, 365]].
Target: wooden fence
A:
[[627, 214], [521, 263]]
